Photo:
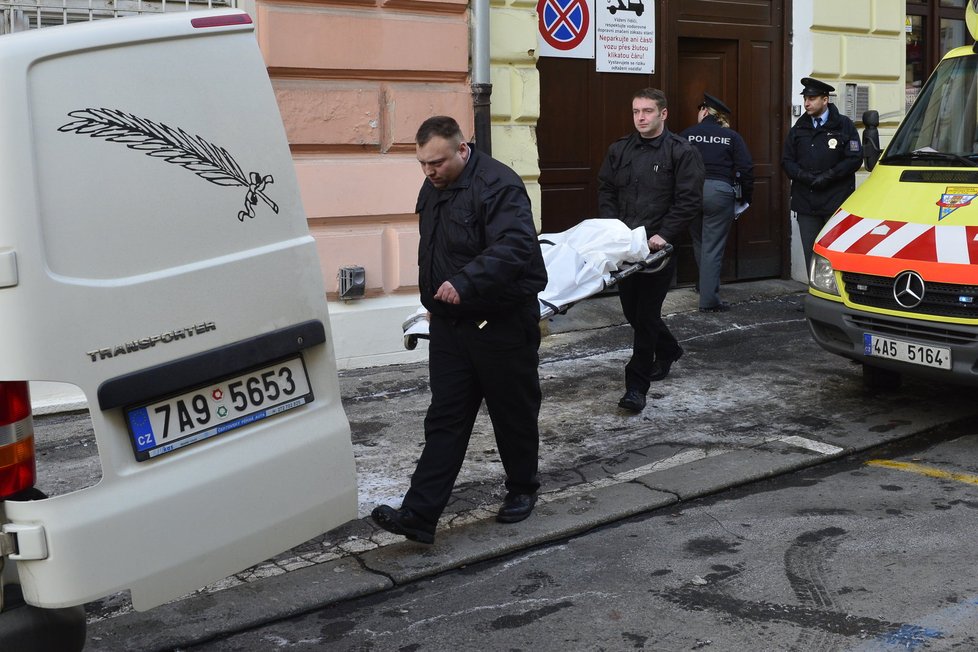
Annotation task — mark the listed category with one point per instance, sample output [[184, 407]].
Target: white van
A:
[[154, 253]]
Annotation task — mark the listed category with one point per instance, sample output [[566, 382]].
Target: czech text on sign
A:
[[625, 36], [566, 28]]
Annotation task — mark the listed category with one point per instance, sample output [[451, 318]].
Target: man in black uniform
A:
[[479, 271], [821, 156], [653, 179]]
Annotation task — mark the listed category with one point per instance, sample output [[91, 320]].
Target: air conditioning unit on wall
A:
[[855, 100]]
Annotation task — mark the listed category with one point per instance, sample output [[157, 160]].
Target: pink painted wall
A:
[[353, 81]]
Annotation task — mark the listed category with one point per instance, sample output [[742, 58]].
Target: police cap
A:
[[815, 87], [714, 103]]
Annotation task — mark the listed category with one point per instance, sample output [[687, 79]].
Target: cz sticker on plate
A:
[[199, 414]]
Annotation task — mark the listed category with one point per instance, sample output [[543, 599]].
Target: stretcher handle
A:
[[654, 262]]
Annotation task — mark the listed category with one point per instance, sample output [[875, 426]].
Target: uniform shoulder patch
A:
[[854, 146]]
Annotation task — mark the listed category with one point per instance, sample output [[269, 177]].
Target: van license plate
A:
[[193, 416], [928, 356]]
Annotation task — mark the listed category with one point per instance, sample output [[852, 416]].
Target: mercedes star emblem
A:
[[908, 289]]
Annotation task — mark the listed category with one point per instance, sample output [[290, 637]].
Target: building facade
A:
[[351, 110], [354, 79]]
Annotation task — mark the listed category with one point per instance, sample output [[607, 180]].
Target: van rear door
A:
[[164, 266]]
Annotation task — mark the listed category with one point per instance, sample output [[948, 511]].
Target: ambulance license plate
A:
[[928, 356], [171, 424]]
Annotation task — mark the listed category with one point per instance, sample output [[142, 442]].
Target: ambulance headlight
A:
[[822, 276]]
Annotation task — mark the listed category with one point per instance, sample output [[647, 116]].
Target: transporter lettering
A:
[[149, 342]]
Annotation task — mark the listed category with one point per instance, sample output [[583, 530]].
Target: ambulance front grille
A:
[[940, 299], [917, 330]]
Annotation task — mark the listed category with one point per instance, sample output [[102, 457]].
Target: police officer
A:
[[821, 156], [728, 166]]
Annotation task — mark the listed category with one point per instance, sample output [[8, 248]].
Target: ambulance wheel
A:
[[877, 378], [612, 10], [638, 12]]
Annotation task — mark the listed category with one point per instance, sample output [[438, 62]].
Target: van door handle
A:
[[29, 541], [8, 268]]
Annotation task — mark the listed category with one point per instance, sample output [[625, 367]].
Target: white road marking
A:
[[810, 444]]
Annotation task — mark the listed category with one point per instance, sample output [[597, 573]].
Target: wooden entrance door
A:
[[581, 113], [741, 73], [705, 66]]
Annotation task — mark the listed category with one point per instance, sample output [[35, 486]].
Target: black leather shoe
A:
[[516, 507], [633, 401], [661, 367], [404, 522]]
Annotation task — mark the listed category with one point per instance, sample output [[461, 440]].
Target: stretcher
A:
[[583, 261]]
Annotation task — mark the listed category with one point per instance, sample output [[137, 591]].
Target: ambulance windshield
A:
[[942, 126]]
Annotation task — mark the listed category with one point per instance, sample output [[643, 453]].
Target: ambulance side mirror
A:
[[871, 138]]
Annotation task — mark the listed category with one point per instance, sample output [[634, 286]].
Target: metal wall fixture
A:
[[353, 282]]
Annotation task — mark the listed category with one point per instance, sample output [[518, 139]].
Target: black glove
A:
[[821, 180], [805, 177]]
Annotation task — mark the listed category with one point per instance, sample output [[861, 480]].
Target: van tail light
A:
[[18, 470]]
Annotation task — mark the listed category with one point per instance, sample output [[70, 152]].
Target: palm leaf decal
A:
[[207, 160]]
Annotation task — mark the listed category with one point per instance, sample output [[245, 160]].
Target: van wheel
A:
[[877, 378], [31, 629]]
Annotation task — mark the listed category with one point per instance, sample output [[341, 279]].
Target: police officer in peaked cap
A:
[[729, 181], [715, 103], [815, 87], [821, 155]]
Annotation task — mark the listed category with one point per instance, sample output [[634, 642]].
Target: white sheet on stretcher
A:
[[579, 264]]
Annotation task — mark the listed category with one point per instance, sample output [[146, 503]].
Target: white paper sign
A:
[[625, 36], [565, 28]]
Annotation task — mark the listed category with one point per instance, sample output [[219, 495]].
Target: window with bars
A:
[[20, 15]]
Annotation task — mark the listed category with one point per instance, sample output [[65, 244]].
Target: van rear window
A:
[[148, 167]]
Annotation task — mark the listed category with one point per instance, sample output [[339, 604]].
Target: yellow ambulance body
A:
[[894, 278]]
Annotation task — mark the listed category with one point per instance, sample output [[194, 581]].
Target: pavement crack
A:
[[723, 527], [366, 567]]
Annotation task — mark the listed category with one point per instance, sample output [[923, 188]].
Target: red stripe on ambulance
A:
[[869, 241], [845, 222], [850, 234], [923, 247], [972, 241]]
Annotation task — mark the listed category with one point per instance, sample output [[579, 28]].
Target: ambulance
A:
[[155, 254], [893, 283]]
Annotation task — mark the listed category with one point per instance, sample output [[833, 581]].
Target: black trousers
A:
[[641, 297], [497, 363]]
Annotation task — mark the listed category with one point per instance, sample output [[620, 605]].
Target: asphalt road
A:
[[872, 553]]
